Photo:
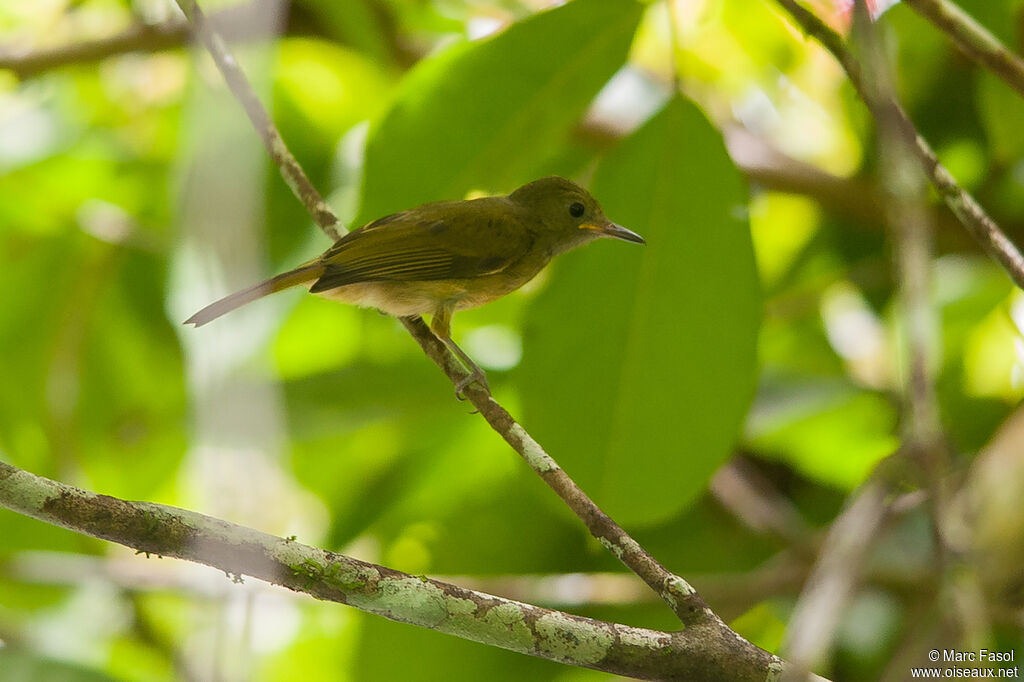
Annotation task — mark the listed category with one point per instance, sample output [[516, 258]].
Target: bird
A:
[[446, 256]]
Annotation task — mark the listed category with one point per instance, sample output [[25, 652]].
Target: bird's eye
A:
[[576, 209]]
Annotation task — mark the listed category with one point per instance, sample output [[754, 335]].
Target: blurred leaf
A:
[[763, 625], [360, 23], [321, 91], [834, 435], [428, 656], [483, 115], [923, 54], [1002, 111], [998, 16], [131, 407], [321, 650], [22, 666], [992, 359], [16, 595], [327, 86], [639, 362]]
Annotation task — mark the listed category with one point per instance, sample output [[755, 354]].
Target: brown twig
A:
[[973, 39], [971, 214]]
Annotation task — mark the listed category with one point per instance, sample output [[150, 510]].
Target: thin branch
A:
[[973, 39], [912, 232], [971, 214], [831, 584], [752, 499], [676, 592], [703, 652], [292, 173]]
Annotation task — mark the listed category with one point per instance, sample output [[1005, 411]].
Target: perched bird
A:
[[446, 256]]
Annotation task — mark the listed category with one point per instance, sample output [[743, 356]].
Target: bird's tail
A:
[[300, 275]]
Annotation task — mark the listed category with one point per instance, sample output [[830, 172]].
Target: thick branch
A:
[[704, 652], [973, 39], [970, 213]]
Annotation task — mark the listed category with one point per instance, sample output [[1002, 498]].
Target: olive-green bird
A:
[[446, 256]]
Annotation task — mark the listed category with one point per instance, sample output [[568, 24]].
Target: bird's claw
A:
[[473, 377]]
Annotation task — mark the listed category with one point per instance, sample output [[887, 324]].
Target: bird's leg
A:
[[440, 324]]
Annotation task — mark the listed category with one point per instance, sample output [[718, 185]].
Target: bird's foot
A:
[[477, 377]]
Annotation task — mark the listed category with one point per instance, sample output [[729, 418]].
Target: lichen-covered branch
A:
[[291, 171], [964, 206], [704, 652], [974, 39]]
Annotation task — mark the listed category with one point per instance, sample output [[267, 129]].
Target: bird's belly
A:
[[402, 299]]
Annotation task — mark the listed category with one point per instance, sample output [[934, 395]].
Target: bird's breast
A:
[[405, 298]]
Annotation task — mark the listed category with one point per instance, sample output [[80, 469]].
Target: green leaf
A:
[[1001, 111], [25, 665], [639, 362], [792, 425], [483, 115]]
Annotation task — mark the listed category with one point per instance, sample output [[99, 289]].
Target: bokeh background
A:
[[720, 391]]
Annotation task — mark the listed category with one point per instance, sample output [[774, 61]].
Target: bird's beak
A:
[[610, 229]]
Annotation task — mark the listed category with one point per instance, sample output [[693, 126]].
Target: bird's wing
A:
[[436, 242]]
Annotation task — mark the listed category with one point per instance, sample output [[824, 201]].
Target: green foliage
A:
[[21, 665], [482, 116], [643, 369], [639, 363]]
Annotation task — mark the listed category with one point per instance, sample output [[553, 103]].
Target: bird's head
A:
[[566, 215]]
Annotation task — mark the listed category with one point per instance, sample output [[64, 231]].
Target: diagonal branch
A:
[[973, 39], [833, 580], [703, 652], [676, 592], [971, 214]]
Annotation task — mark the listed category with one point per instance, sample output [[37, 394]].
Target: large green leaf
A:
[[639, 362], [483, 115]]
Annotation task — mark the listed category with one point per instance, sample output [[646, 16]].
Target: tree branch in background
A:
[[973, 39], [833, 579], [138, 38], [857, 198], [752, 499], [701, 652], [971, 214], [912, 234]]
